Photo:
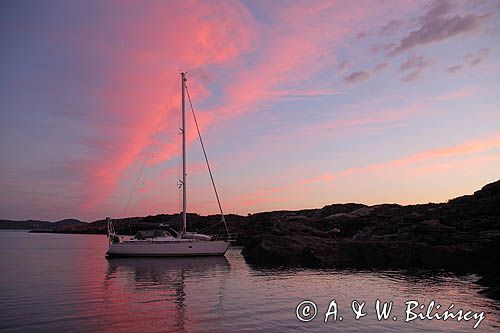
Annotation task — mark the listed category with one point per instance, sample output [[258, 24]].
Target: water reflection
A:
[[63, 283], [166, 279], [155, 269]]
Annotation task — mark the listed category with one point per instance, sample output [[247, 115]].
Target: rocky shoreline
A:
[[461, 235]]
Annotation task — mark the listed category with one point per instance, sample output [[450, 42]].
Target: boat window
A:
[[145, 234]]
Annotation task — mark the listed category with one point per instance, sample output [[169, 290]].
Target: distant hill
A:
[[462, 234], [39, 225]]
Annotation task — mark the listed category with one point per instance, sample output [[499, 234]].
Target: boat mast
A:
[[183, 131]]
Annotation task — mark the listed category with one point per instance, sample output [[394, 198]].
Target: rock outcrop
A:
[[462, 235]]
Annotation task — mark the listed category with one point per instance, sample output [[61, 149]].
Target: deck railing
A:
[[230, 237]]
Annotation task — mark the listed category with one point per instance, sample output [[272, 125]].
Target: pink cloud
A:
[[294, 51], [357, 122], [141, 75], [469, 147], [426, 162], [302, 93], [376, 116], [446, 166], [213, 34], [454, 95]]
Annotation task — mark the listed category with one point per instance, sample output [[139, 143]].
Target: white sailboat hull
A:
[[156, 243], [167, 249]]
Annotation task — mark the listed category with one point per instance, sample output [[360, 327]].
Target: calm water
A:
[[63, 283]]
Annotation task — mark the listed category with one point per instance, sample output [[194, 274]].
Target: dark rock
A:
[[462, 235]]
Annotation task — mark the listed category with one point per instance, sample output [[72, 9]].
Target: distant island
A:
[[461, 235], [39, 225]]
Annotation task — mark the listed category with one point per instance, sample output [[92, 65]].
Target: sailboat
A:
[[169, 242]]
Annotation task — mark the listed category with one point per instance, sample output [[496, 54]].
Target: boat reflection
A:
[[155, 267], [163, 280]]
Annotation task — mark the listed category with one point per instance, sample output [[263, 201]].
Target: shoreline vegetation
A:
[[461, 235]]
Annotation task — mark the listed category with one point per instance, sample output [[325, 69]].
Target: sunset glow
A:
[[301, 104]]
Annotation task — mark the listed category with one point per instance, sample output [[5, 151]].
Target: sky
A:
[[301, 104]]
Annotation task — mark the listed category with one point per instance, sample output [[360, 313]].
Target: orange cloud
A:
[[161, 38], [470, 147], [261, 62], [446, 166], [434, 161]]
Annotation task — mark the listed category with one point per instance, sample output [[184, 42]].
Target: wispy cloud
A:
[[438, 24], [413, 67], [344, 65], [455, 68], [385, 47], [132, 104], [477, 57], [465, 148], [455, 95], [471, 59], [381, 66], [391, 27], [305, 93], [287, 56], [360, 35], [357, 77], [105, 81], [427, 162]]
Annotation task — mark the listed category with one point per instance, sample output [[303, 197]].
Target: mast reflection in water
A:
[[162, 280], [63, 283]]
